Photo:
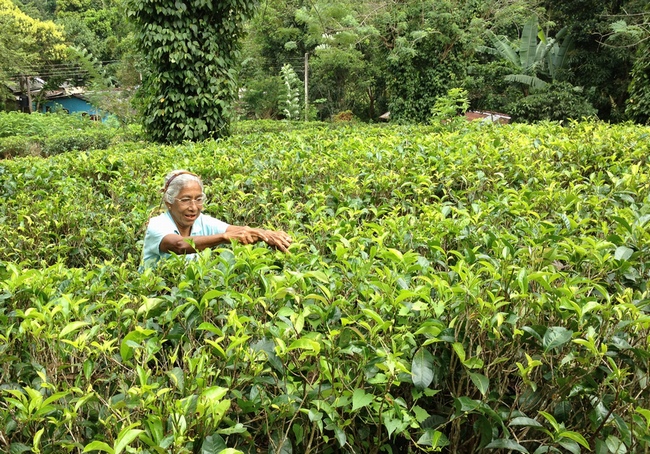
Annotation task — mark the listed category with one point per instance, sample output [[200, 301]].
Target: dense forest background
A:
[[531, 59]]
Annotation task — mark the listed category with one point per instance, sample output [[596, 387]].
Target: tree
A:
[[430, 47], [532, 60], [638, 104], [26, 44], [602, 70], [342, 43], [191, 52], [636, 34], [98, 31], [341, 78]]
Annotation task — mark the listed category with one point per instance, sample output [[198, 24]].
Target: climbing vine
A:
[[191, 53]]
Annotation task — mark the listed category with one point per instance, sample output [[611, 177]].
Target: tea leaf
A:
[[466, 404], [361, 399], [98, 446], [149, 305], [645, 413], [480, 381], [623, 253], [555, 337], [506, 443], [340, 436], [524, 421], [575, 437], [615, 445], [214, 393], [132, 340], [71, 328], [460, 351], [433, 438], [125, 437], [422, 368], [570, 446], [305, 344], [214, 444], [551, 419], [178, 378]]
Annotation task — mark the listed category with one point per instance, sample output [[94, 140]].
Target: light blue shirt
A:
[[163, 225]]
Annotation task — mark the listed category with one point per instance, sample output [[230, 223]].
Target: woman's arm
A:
[[245, 235]]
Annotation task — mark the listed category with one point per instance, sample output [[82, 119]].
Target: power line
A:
[[54, 69]]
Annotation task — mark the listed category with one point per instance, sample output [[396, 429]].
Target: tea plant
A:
[[481, 288], [50, 134]]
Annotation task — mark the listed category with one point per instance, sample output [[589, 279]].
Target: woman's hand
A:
[[278, 239], [243, 234], [248, 235]]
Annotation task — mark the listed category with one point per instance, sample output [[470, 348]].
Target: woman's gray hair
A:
[[175, 181]]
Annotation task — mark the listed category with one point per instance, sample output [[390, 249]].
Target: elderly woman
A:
[[169, 232]]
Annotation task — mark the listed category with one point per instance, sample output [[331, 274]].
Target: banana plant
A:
[[531, 58]]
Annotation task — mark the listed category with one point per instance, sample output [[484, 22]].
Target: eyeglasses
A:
[[187, 201]]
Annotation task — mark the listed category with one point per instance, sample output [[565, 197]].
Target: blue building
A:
[[72, 100]]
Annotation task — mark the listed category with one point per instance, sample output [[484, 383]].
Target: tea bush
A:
[[36, 124], [49, 134], [465, 290]]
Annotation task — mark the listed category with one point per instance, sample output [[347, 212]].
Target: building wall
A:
[[71, 104]]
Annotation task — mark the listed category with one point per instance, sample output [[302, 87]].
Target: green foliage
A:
[[635, 35], [26, 42], [555, 102], [259, 99], [367, 57], [483, 289], [432, 50], [451, 106], [98, 31], [344, 80], [488, 89], [19, 124], [49, 134], [600, 66], [345, 58], [533, 59], [290, 101], [638, 104], [191, 52]]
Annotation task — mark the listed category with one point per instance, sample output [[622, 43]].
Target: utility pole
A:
[[306, 86], [26, 94], [29, 94]]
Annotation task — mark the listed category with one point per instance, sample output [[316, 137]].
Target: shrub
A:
[[290, 99], [259, 99], [48, 134], [343, 116], [84, 140], [37, 124], [555, 102], [13, 146]]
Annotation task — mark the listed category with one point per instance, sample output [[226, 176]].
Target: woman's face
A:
[[184, 214]]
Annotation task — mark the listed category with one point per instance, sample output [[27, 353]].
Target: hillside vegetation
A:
[[468, 288]]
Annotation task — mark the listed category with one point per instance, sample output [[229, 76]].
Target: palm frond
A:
[[531, 81]]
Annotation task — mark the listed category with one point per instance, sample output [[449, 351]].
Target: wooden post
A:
[[29, 95], [306, 86], [26, 92]]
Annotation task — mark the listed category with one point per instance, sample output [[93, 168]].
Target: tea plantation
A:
[[476, 288]]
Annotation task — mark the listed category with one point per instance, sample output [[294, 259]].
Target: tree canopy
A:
[[203, 63], [25, 41]]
